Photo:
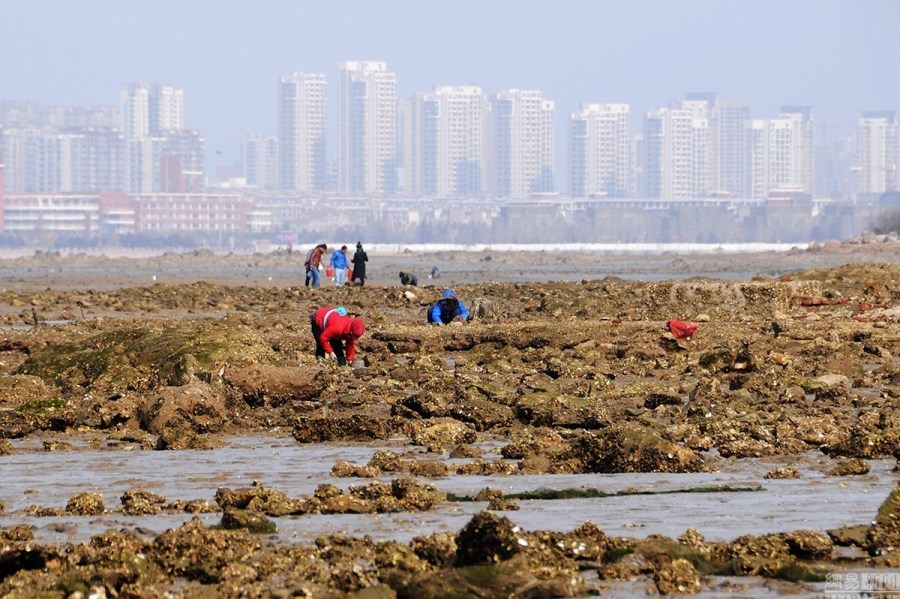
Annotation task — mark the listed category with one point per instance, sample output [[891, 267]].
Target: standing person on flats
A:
[[313, 263], [340, 265], [359, 265], [336, 334], [306, 264]]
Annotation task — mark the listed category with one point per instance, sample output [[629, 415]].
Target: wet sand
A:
[[813, 502]]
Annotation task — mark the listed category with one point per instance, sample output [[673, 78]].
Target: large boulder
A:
[[504, 579], [22, 389], [343, 425], [259, 499], [884, 536], [483, 414], [631, 447], [192, 407], [829, 387], [254, 522], [270, 385], [198, 553], [678, 577], [439, 433], [759, 556], [566, 411], [144, 357], [488, 539], [86, 504]]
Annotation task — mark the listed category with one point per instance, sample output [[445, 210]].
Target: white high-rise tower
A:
[[730, 149], [367, 128], [599, 150], [449, 123], [782, 153], [259, 161], [877, 134], [153, 126], [302, 132], [522, 143], [676, 146], [166, 108]]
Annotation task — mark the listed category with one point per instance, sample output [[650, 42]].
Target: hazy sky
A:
[[841, 57]]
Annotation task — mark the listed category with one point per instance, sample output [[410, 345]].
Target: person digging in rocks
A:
[[336, 334], [407, 278], [447, 309]]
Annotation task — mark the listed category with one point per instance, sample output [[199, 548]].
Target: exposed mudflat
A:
[[123, 268], [559, 443]]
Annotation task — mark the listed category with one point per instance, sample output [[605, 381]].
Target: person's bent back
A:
[[446, 309], [336, 334]]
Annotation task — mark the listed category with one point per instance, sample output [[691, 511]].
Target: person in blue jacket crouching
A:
[[447, 309]]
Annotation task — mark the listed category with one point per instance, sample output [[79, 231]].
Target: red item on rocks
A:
[[681, 329]]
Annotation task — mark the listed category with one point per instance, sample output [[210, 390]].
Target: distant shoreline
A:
[[392, 249], [112, 268]]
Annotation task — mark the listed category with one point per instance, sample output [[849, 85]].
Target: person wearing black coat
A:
[[359, 265]]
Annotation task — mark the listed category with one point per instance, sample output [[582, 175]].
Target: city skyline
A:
[[829, 55], [452, 141], [302, 121]]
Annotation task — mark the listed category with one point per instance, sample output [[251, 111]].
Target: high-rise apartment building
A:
[[153, 129], [367, 128], [135, 109], [522, 143], [34, 114], [698, 148], [637, 186], [878, 160], [182, 159], [408, 147], [71, 159], [21, 151], [703, 163], [302, 127], [449, 141], [259, 161], [730, 148], [80, 160], [599, 151], [803, 149], [166, 108], [782, 153], [676, 146], [2, 188]]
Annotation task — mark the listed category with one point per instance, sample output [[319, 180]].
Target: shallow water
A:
[[814, 501]]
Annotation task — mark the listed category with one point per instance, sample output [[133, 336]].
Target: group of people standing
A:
[[342, 270]]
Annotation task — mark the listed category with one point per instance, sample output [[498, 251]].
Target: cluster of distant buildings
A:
[[135, 167], [457, 141]]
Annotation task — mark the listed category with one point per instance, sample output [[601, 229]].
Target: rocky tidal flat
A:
[[178, 438]]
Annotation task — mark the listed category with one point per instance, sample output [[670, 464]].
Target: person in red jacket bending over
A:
[[332, 328]]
